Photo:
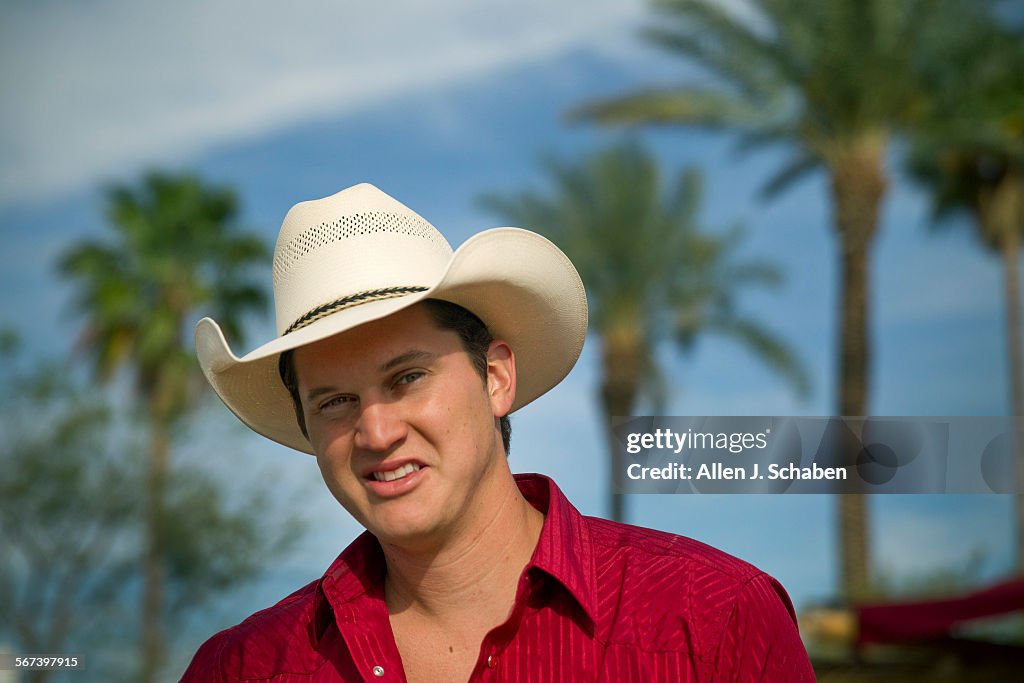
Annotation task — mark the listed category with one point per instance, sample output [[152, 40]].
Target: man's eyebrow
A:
[[407, 357], [319, 391]]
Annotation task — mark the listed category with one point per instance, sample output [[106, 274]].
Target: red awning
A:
[[898, 622]]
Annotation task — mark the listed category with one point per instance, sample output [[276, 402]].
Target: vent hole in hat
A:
[[359, 224]]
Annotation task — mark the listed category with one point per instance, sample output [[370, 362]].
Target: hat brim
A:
[[518, 283]]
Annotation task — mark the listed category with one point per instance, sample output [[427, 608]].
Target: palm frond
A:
[[795, 169], [173, 246], [650, 273], [767, 347], [676, 106]]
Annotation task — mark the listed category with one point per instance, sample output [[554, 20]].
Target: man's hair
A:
[[475, 337]]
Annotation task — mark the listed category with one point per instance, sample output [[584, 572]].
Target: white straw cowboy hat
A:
[[360, 255]]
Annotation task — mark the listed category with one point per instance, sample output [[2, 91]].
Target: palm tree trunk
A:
[[858, 186], [154, 574], [621, 376], [1002, 212], [1011, 251]]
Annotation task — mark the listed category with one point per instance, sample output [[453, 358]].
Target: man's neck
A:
[[473, 574]]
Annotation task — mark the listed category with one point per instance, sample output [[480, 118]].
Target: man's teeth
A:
[[396, 474]]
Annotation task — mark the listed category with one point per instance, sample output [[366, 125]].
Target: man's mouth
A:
[[398, 473]]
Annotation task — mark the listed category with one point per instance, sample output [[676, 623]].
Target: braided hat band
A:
[[353, 300]]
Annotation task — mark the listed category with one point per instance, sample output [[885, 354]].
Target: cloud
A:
[[97, 88]]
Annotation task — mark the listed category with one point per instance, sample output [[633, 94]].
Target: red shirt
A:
[[599, 601]]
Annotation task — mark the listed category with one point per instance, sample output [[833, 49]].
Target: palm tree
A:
[[832, 80], [971, 157], [650, 274], [174, 248]]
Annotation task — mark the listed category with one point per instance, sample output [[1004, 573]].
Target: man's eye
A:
[[335, 402], [409, 377]]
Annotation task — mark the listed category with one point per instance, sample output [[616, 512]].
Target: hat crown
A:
[[357, 245]]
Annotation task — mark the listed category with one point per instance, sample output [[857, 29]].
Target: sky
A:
[[437, 103]]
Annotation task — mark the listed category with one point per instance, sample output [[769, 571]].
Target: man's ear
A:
[[501, 377]]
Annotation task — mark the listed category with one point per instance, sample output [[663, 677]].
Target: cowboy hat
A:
[[360, 255]]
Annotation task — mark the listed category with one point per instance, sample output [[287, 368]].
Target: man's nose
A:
[[380, 427]]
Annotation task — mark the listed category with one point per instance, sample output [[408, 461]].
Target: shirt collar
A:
[[564, 551], [358, 571]]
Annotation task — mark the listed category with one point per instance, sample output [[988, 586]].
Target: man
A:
[[396, 365]]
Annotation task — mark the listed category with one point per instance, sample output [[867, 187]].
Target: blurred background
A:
[[778, 208]]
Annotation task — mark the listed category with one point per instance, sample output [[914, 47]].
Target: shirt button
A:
[[492, 661], [378, 671]]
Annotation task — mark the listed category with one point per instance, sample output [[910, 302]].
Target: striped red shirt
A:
[[599, 601]]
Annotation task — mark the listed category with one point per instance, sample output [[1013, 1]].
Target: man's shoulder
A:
[[664, 583], [640, 550], [258, 643], [671, 596]]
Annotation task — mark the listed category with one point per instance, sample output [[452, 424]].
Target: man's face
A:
[[403, 426]]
